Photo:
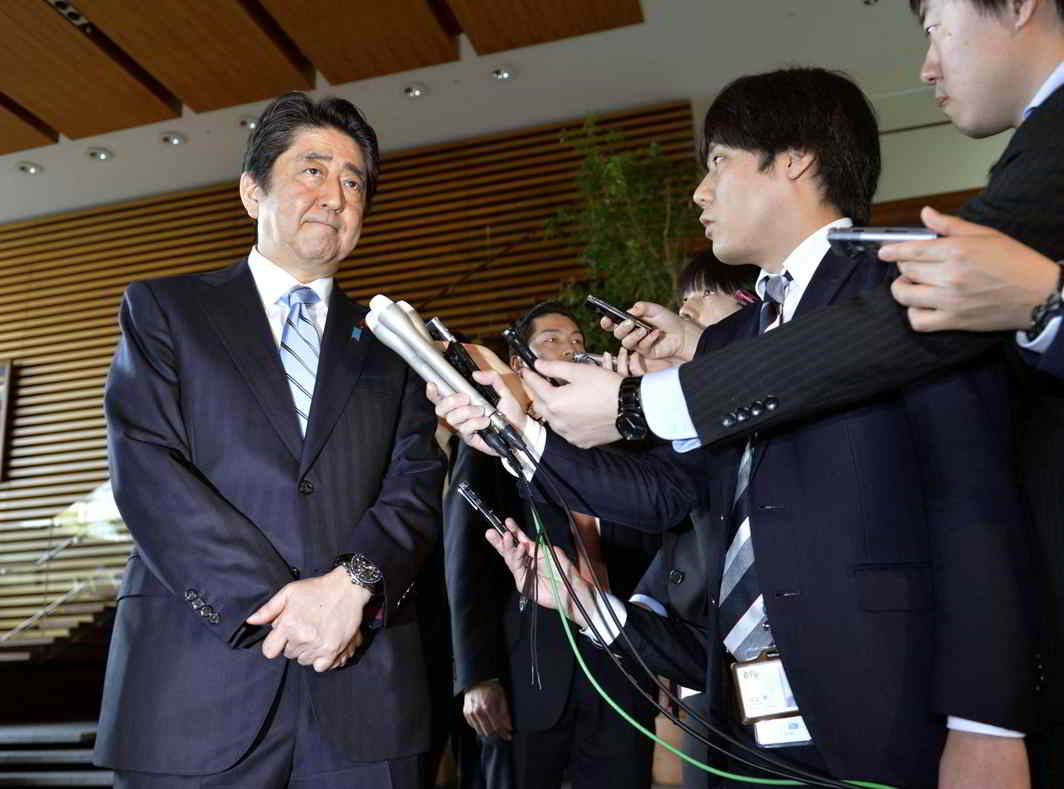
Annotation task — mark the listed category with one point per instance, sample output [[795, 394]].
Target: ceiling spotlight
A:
[[415, 90], [503, 73], [249, 123], [100, 154], [29, 168], [174, 138]]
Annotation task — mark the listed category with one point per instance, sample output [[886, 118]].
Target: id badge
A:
[[766, 700]]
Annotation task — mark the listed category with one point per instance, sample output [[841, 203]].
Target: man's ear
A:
[[1022, 11], [250, 194], [798, 164], [516, 364]]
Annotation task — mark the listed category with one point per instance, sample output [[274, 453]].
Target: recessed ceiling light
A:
[[415, 90], [174, 138], [249, 123], [29, 168], [100, 154], [503, 73]]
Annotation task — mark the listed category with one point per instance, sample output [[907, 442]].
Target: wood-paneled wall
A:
[[440, 213]]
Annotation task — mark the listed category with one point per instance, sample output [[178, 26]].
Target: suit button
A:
[[771, 403], [728, 420], [196, 604], [757, 408], [191, 594], [676, 576], [306, 487], [294, 571], [742, 414], [206, 612], [214, 618]]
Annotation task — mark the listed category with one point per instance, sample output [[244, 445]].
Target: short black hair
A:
[[812, 110], [995, 7], [294, 111], [705, 272], [523, 325]]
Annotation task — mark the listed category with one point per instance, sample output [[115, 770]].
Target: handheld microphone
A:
[[403, 337], [415, 319]]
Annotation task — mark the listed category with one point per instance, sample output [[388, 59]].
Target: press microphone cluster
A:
[[398, 326]]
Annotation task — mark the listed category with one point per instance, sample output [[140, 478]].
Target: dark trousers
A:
[[290, 751], [598, 748]]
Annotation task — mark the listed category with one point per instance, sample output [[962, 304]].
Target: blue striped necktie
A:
[[742, 619], [300, 346]]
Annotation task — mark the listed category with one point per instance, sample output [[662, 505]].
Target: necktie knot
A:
[[300, 295], [776, 287]]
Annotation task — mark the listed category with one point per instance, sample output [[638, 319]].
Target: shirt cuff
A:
[[1042, 342], [664, 406], [648, 602], [973, 727], [535, 436], [601, 621]]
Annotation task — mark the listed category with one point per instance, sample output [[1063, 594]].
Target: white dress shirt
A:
[[273, 283]]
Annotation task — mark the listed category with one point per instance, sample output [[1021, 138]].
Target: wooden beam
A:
[[499, 25], [60, 75], [210, 55], [367, 38], [19, 130]]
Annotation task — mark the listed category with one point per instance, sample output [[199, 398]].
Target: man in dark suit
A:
[[277, 469], [855, 540], [526, 696]]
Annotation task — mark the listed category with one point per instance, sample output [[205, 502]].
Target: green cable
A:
[[617, 708]]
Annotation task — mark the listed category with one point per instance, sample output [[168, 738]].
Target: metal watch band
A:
[[631, 422], [1049, 309], [360, 570]]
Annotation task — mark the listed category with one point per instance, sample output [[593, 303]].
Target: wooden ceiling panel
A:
[[17, 133], [210, 55], [367, 38], [498, 25], [58, 74]]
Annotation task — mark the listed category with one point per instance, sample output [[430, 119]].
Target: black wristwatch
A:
[[1052, 307], [631, 423], [361, 571]]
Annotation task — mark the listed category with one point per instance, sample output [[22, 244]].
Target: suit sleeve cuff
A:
[[1041, 343], [973, 727], [664, 406], [602, 623], [648, 602]]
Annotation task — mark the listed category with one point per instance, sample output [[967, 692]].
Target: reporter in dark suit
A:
[[555, 725], [257, 437], [868, 528]]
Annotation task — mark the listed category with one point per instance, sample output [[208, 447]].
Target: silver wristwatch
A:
[[361, 571]]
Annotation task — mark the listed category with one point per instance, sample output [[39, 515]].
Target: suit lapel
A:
[[830, 276], [339, 366], [232, 305]]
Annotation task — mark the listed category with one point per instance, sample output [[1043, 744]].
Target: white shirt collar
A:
[[802, 263], [273, 282], [1049, 87]]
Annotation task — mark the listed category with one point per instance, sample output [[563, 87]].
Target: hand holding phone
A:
[[616, 315]]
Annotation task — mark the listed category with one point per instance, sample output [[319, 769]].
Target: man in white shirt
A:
[[847, 520], [276, 467]]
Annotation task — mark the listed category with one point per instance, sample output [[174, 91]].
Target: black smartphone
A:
[[466, 491], [459, 358], [859, 241], [614, 314], [520, 349]]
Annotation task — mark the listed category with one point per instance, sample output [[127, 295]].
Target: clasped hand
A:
[[315, 621]]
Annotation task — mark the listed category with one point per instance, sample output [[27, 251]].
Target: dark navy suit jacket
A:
[[888, 539], [227, 503]]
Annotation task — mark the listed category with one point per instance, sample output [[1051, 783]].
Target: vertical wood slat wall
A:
[[440, 212]]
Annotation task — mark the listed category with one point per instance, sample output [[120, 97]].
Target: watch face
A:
[[630, 428], [365, 571]]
